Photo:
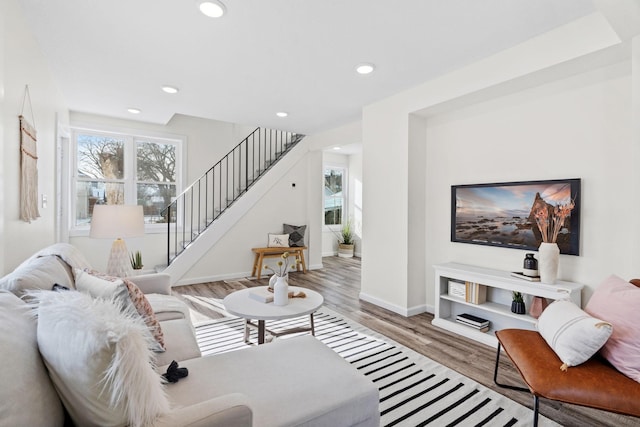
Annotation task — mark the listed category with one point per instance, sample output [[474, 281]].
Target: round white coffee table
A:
[[243, 304]]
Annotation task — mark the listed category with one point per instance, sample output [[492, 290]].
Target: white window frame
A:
[[345, 195], [131, 136]]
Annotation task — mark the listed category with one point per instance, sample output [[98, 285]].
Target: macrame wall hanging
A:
[[28, 164]]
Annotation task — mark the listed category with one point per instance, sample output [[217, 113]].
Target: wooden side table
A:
[[262, 253]]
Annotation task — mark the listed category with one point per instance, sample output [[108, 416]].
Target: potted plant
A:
[[136, 260], [517, 305], [345, 241]]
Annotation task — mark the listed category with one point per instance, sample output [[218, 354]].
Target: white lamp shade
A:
[[112, 221]]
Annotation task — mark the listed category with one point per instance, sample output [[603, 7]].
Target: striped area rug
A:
[[414, 390]]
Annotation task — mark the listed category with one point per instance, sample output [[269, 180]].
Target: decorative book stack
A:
[[476, 293], [473, 321], [525, 277], [470, 292]]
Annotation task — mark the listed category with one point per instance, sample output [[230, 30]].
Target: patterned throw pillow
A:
[[100, 285], [278, 241], [296, 234]]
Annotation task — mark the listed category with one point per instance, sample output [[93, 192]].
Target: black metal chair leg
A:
[[536, 400], [495, 375]]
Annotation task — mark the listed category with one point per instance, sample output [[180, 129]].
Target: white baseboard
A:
[[403, 311], [417, 309]]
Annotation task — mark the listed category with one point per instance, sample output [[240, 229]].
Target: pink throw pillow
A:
[[141, 304], [616, 301]]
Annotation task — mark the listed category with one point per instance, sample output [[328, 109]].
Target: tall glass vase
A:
[[548, 264]]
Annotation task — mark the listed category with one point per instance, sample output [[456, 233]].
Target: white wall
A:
[[355, 199], [22, 63], [575, 127], [483, 124]]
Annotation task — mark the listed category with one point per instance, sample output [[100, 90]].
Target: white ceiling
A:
[[266, 56]]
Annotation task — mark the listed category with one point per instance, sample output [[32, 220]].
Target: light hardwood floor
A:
[[339, 282]]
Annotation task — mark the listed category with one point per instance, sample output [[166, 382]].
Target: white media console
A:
[[497, 308]]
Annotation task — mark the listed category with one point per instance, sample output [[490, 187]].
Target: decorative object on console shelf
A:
[[517, 305], [474, 218], [457, 289], [538, 304], [475, 293], [519, 275], [549, 262], [550, 221], [473, 321], [119, 222], [530, 266]]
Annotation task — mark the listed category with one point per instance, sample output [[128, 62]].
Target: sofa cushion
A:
[[328, 390], [27, 396], [571, 333], [97, 354], [39, 273], [100, 285], [167, 307], [181, 342], [617, 302]]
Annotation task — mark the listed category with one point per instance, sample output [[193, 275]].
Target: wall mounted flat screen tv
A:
[[504, 214]]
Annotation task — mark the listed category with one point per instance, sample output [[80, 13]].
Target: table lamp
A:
[[117, 222]]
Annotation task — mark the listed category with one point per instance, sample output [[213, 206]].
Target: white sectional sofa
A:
[[290, 382]]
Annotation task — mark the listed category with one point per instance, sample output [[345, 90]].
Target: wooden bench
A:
[[262, 253]]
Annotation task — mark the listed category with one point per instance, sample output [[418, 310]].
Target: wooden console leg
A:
[[304, 265], [255, 265], [259, 272]]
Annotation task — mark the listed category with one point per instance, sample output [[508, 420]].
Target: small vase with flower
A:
[[279, 281]]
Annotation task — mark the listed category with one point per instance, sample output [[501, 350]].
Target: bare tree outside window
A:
[[156, 177], [101, 160], [100, 173]]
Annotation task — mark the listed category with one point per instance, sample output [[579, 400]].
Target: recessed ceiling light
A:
[[365, 68], [282, 114], [212, 8], [337, 148], [134, 110], [170, 89]]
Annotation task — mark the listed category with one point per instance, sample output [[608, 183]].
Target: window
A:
[[334, 195], [114, 168]]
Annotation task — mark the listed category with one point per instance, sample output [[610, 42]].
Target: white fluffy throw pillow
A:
[[572, 334], [98, 357]]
